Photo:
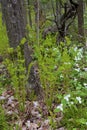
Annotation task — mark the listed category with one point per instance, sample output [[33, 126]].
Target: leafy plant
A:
[[3, 36], [73, 107], [46, 56], [55, 66], [17, 71], [3, 121], [61, 71]]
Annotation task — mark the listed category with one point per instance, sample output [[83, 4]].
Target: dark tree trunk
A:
[[64, 19], [14, 15]]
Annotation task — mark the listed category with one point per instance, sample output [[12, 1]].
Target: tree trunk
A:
[[14, 15], [37, 10], [15, 18], [29, 13], [81, 19], [29, 18]]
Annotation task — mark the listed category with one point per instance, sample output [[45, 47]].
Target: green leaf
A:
[[10, 50], [23, 41], [82, 121], [74, 129]]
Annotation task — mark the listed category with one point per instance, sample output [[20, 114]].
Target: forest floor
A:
[[35, 116]]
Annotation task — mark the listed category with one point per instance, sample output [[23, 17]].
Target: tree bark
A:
[[81, 19], [14, 15]]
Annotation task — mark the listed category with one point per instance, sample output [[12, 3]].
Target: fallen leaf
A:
[[36, 104], [2, 98]]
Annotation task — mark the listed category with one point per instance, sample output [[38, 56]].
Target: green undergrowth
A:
[[3, 36], [3, 120], [15, 64], [63, 76], [62, 72]]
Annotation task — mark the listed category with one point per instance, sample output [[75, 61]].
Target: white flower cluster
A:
[[79, 99], [79, 54], [85, 69], [67, 97], [60, 107]]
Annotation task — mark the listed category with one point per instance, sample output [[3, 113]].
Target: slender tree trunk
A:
[[29, 13], [81, 19], [37, 10]]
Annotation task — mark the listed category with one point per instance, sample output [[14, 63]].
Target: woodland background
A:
[[43, 65]]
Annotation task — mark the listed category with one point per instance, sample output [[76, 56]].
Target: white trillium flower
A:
[[86, 123], [55, 67], [61, 76], [75, 79], [76, 65], [81, 50], [72, 103], [47, 49], [79, 53], [75, 49], [60, 107], [79, 99], [85, 84], [54, 49], [67, 97], [77, 58], [77, 69], [85, 69]]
